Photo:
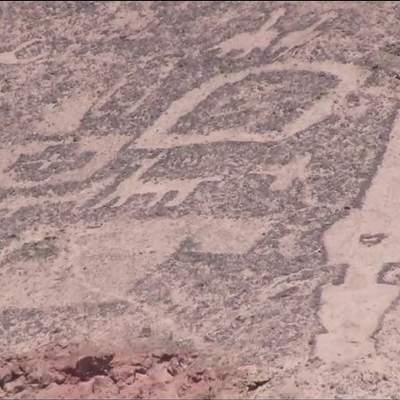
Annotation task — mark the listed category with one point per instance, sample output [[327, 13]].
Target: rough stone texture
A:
[[176, 172]]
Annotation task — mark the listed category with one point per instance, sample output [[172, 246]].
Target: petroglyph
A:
[[285, 174], [158, 188], [155, 137], [132, 249], [298, 38], [149, 243], [184, 160], [102, 148], [351, 77], [10, 57], [67, 116], [366, 240], [247, 41]]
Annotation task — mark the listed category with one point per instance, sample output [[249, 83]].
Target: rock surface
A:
[[216, 178]]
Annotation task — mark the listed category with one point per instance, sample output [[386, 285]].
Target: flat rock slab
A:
[[217, 178]]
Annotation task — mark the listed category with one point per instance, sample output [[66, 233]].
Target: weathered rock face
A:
[[221, 176]]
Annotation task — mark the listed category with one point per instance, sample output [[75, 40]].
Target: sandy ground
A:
[[199, 199]]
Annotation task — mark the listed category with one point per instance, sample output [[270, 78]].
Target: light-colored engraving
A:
[[158, 187], [155, 137], [285, 174], [350, 312], [10, 57], [104, 147], [247, 41], [351, 77], [298, 38], [139, 246]]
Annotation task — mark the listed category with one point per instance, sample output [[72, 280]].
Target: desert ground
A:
[[199, 200]]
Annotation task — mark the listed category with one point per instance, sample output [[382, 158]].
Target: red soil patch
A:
[[73, 371]]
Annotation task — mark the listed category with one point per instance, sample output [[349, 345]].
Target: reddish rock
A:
[[123, 373], [71, 373], [103, 386], [5, 374], [15, 386], [64, 362], [85, 389], [43, 377], [159, 373], [130, 392], [55, 391]]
